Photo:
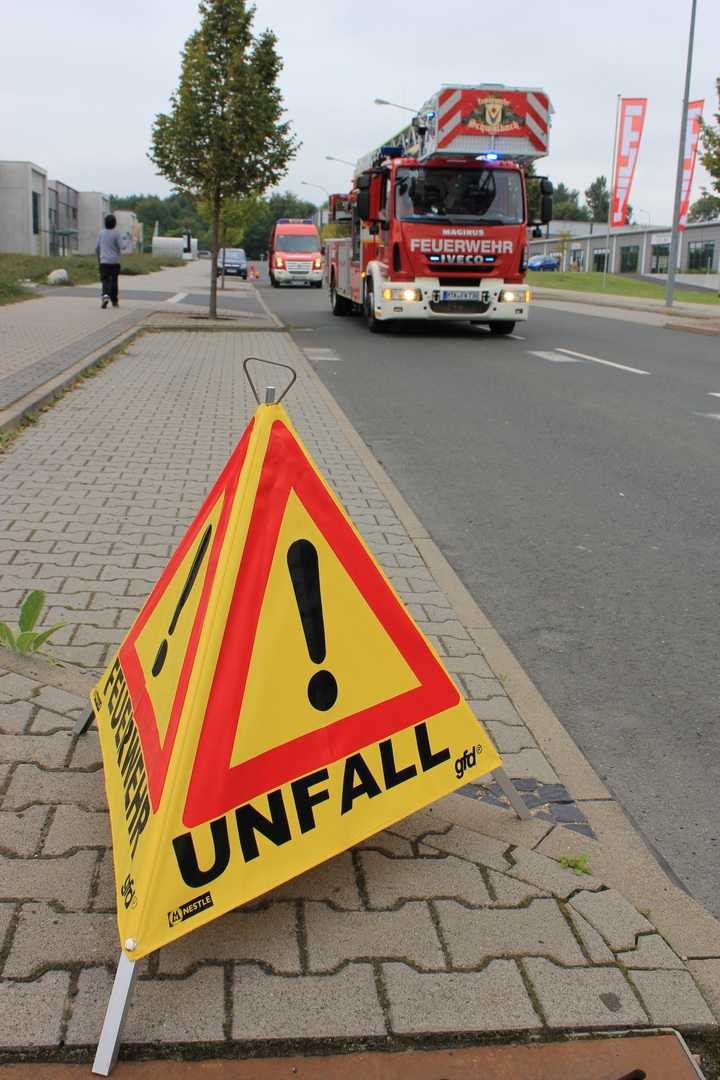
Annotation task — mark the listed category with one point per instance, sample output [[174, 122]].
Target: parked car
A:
[[204, 255], [542, 262], [232, 261]]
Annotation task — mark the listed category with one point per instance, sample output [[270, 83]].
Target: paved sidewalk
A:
[[459, 920]]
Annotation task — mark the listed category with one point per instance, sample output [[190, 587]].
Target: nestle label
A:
[[193, 907]]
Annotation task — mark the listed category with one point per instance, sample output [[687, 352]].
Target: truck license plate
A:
[[459, 294]]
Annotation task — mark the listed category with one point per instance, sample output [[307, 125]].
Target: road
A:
[[570, 476]]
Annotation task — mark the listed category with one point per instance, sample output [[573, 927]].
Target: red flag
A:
[[632, 117], [692, 134]]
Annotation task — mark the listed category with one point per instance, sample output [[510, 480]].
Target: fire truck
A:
[[439, 214]]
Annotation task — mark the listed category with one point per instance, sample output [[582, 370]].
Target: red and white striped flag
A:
[[692, 134], [632, 117]]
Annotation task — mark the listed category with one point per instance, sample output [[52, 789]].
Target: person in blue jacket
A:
[[109, 245]]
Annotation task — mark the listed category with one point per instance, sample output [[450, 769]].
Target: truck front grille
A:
[[459, 307], [303, 267]]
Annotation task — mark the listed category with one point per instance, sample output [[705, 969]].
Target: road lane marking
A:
[[713, 394], [322, 354], [555, 357], [610, 363], [176, 298]]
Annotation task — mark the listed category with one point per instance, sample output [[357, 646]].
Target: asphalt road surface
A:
[[570, 476]]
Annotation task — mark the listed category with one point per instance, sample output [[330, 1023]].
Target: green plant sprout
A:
[[28, 640], [576, 863], [502, 677]]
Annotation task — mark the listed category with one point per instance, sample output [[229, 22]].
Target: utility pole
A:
[[675, 238]]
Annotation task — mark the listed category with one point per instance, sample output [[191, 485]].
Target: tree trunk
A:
[[213, 271], [224, 246]]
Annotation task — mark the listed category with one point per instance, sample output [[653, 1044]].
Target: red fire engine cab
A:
[[439, 215]]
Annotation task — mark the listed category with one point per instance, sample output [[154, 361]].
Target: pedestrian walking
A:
[[109, 245]]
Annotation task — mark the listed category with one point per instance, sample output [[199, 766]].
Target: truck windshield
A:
[[492, 196], [296, 242]]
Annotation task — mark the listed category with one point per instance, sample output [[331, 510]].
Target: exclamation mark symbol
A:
[[302, 562], [187, 589]]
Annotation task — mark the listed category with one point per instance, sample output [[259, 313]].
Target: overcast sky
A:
[[81, 82]]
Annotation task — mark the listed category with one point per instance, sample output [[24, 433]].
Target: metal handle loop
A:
[[274, 363]]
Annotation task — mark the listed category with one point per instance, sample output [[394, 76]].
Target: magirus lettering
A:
[[276, 824]]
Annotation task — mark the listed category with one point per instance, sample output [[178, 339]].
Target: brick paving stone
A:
[[20, 833], [673, 1000], [31, 1014], [50, 750], [47, 937], [388, 843], [87, 753], [651, 952], [388, 881], [31, 784], [597, 950], [508, 739], [73, 827], [333, 881], [407, 934], [493, 1000], [342, 1005], [45, 723], [105, 897], [15, 718], [612, 916], [706, 974], [526, 763], [6, 913], [498, 707], [267, 936], [539, 929], [594, 997], [476, 848], [419, 823], [65, 881], [549, 875], [167, 1012], [16, 687], [510, 892], [59, 701]]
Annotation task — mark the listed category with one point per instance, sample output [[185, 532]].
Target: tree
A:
[[710, 139], [706, 208], [223, 138], [597, 197]]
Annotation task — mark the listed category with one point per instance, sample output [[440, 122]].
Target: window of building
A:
[[599, 258], [36, 212], [701, 254], [660, 259], [629, 257]]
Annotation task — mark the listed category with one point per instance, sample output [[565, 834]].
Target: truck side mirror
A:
[[362, 205], [546, 187], [363, 181], [546, 209]]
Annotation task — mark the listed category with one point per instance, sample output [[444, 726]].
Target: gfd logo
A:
[[467, 761], [127, 891]]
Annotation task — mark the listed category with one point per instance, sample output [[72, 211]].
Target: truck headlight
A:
[[402, 294], [514, 296], [318, 264], [278, 260]]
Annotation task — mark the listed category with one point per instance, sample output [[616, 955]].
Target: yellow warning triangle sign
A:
[[273, 703]]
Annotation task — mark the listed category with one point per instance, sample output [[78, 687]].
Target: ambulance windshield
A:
[[426, 193]]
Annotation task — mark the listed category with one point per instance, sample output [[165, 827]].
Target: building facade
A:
[[633, 249], [47, 217]]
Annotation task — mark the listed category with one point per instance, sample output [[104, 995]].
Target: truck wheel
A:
[[374, 325], [273, 282], [501, 327], [339, 304]]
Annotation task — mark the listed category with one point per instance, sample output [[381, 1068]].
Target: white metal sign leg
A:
[[117, 1010], [512, 794]]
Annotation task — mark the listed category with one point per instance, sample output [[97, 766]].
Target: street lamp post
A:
[[308, 184], [381, 101], [341, 160], [675, 236]]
